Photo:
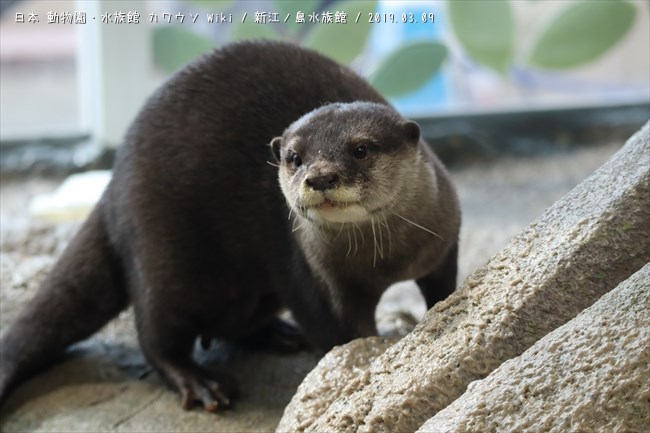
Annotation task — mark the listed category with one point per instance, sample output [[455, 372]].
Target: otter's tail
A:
[[84, 290]]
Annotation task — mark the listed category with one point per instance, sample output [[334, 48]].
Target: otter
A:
[[261, 176]]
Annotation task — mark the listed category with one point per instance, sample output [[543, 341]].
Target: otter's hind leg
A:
[[168, 347], [440, 283], [169, 319], [167, 341]]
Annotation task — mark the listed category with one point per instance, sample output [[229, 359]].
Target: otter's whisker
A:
[[374, 242], [322, 233], [339, 233], [390, 241], [349, 242], [274, 165], [293, 206], [298, 226], [325, 229], [356, 226], [380, 247], [298, 223], [418, 226]]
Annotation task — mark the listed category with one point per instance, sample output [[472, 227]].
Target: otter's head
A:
[[346, 162]]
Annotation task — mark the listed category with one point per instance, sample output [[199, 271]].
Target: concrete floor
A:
[[105, 384]]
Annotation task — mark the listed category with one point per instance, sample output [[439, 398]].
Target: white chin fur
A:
[[348, 214]]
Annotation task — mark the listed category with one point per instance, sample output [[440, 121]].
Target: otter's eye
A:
[[360, 152], [296, 160]]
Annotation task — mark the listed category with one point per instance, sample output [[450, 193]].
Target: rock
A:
[[589, 375], [337, 371], [580, 248]]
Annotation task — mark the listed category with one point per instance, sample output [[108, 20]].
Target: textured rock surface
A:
[[582, 247], [107, 386], [592, 374], [342, 367]]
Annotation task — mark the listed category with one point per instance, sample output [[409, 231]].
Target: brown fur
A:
[[194, 230]]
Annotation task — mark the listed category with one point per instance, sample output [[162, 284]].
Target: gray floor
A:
[[107, 386]]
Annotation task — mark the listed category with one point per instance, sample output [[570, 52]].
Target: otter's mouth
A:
[[332, 204], [338, 211]]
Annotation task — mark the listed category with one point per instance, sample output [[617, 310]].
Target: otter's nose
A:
[[322, 183]]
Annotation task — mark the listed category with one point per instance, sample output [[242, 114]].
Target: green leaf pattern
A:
[[343, 42], [486, 30], [408, 68], [581, 33]]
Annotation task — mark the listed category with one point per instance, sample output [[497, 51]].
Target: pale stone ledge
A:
[[591, 374]]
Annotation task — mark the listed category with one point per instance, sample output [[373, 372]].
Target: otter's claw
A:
[[205, 391], [198, 385]]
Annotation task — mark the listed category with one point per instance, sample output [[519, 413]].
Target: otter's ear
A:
[[411, 131], [276, 143]]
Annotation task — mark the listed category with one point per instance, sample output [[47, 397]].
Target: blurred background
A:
[[521, 98], [66, 82]]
